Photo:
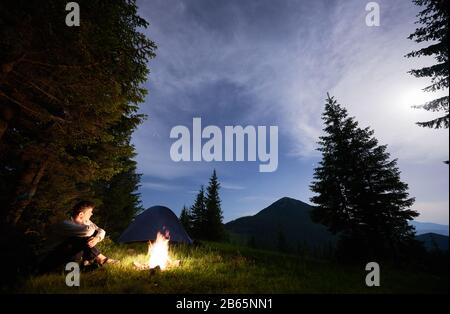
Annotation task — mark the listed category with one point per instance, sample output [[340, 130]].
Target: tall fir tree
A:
[[119, 200], [68, 103], [198, 211], [63, 95], [360, 195], [214, 224], [434, 19], [186, 219]]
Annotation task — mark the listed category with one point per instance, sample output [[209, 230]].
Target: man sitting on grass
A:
[[74, 240]]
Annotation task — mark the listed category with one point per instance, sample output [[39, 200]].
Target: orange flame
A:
[[159, 251]]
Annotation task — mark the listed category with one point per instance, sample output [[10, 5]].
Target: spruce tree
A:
[[434, 19], [198, 211], [68, 97], [214, 225], [360, 195], [186, 219], [120, 201]]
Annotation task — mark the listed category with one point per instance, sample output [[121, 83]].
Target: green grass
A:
[[224, 268]]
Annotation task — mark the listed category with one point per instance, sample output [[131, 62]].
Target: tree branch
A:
[[37, 113]]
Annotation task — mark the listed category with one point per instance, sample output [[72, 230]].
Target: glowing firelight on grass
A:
[[159, 252]]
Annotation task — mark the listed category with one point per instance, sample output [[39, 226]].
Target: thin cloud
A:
[[230, 186], [158, 186], [260, 63]]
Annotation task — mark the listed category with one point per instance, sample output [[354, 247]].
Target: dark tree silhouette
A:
[[434, 19], [119, 200], [68, 105], [214, 224], [198, 211], [206, 213], [360, 195], [186, 219]]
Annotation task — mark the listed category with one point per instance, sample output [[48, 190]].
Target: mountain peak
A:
[[286, 216], [288, 202], [287, 199], [285, 206]]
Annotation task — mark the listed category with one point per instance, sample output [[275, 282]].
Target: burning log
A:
[[155, 270], [140, 266], [146, 266]]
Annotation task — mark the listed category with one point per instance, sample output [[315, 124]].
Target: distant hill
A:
[[285, 224], [428, 227], [433, 241]]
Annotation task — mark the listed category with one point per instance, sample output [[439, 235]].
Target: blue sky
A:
[[264, 62]]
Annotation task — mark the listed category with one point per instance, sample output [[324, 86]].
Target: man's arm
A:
[[71, 229], [100, 232], [98, 237]]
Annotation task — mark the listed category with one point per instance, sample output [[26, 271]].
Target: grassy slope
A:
[[223, 268]]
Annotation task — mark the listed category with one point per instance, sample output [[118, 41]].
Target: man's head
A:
[[82, 212]]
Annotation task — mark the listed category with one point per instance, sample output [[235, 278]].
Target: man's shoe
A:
[[88, 266], [86, 263]]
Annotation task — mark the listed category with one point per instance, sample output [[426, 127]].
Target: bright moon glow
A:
[[414, 97]]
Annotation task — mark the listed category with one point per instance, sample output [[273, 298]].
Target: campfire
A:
[[158, 254]]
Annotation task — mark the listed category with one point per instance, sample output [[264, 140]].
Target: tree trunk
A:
[[6, 115], [3, 128], [26, 189]]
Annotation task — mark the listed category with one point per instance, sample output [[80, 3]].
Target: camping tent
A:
[[155, 219]]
